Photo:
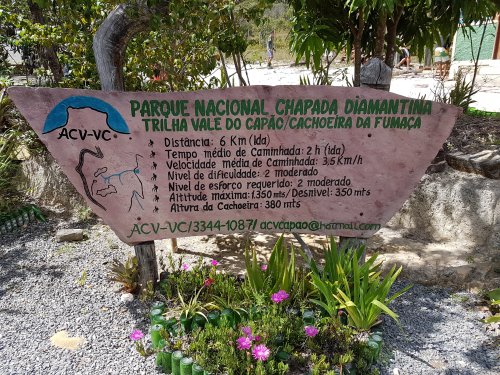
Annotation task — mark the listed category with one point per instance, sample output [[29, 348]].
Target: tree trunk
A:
[[48, 53], [358, 34], [380, 35], [237, 66], [392, 28], [110, 43]]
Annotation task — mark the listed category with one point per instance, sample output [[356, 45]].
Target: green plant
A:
[[16, 141], [460, 95], [83, 278], [367, 297], [84, 213], [183, 279], [278, 273], [148, 292], [327, 291], [126, 274], [494, 301], [66, 248]]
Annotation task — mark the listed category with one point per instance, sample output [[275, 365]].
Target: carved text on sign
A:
[[271, 159]]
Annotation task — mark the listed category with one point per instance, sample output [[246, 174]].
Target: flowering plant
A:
[[280, 296], [137, 335]]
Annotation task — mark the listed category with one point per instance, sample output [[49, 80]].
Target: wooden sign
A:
[[307, 159]]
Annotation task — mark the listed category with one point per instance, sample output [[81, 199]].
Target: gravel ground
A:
[[40, 295]]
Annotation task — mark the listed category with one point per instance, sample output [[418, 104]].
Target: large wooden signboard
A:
[[305, 159]]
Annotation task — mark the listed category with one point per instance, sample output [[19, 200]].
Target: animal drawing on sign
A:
[[154, 189], [154, 177], [151, 143]]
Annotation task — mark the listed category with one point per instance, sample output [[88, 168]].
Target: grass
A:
[[480, 113], [64, 249]]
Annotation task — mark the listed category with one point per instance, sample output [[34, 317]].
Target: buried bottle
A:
[[176, 362], [157, 341], [197, 369], [164, 361], [186, 366]]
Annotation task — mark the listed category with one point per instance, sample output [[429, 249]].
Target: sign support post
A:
[[146, 259]]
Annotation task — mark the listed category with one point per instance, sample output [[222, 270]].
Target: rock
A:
[[436, 167], [462, 274], [63, 341], [48, 186], [126, 297], [376, 74], [64, 235], [485, 163]]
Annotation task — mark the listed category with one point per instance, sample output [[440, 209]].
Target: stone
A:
[[485, 163], [436, 168], [42, 180], [376, 74], [66, 235], [62, 340], [126, 297]]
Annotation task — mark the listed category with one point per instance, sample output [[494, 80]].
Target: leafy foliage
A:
[[494, 301], [279, 273], [126, 274], [367, 297], [460, 95], [344, 283], [16, 138]]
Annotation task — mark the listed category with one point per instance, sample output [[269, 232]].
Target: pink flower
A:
[[247, 331], [311, 331], [136, 335], [256, 338], [214, 263], [261, 352], [244, 343], [185, 267], [263, 267], [208, 282], [280, 296]]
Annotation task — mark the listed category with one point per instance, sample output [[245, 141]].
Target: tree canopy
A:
[[378, 28]]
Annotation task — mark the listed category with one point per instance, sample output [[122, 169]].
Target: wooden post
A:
[[174, 245], [148, 268]]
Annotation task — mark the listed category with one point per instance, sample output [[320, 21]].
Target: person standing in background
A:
[[442, 60], [270, 49], [404, 59]]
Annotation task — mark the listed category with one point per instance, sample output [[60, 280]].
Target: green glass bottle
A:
[[197, 369], [157, 341], [164, 361], [186, 366], [176, 362]]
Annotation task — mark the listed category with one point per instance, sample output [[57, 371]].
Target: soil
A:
[[472, 134]]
